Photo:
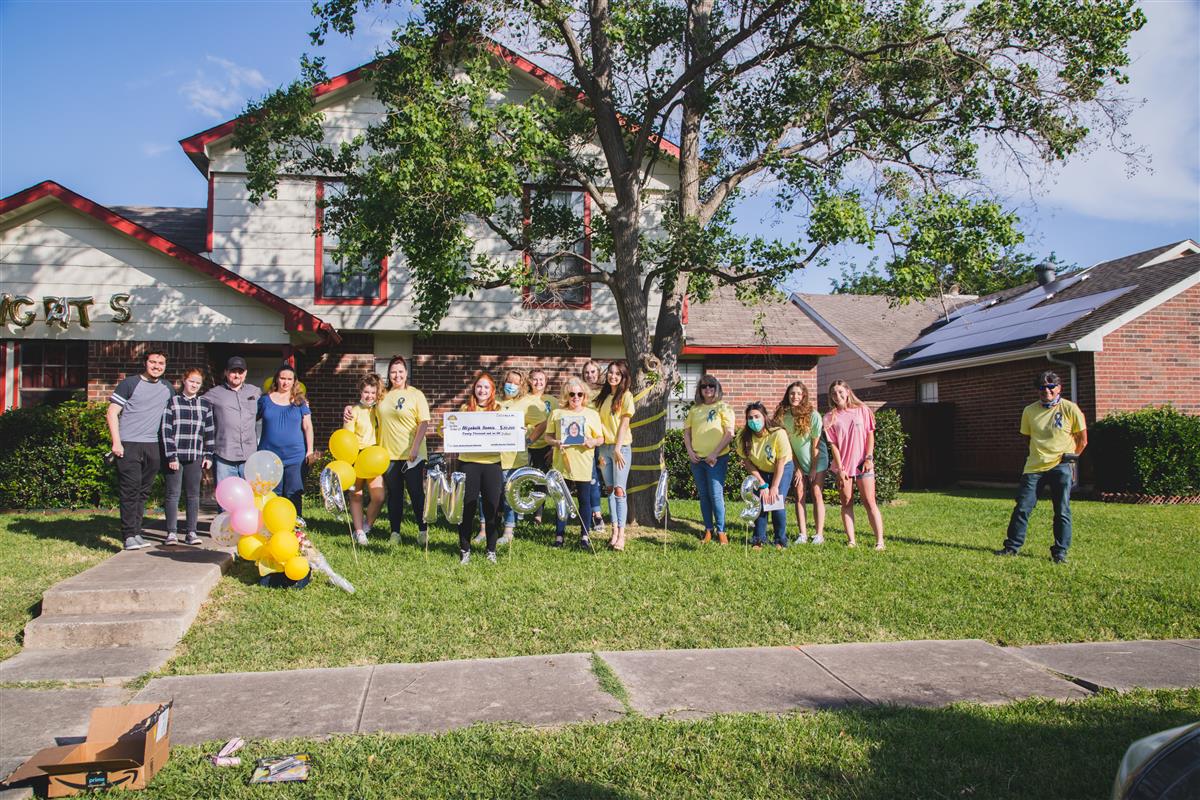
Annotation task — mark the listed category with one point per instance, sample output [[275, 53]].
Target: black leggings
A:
[[397, 479], [486, 482]]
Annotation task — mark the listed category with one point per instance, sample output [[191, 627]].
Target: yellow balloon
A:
[[267, 565], [372, 462], [283, 545], [248, 547], [345, 473], [279, 515], [261, 500], [296, 568], [344, 445]]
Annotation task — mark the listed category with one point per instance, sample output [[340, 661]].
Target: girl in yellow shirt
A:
[[364, 423], [707, 432], [541, 403], [592, 377], [574, 431], [767, 455], [485, 478], [515, 397], [615, 403]]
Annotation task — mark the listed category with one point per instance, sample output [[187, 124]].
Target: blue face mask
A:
[[755, 425], [511, 389]]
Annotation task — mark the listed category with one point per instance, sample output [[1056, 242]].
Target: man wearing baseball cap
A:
[[235, 407]]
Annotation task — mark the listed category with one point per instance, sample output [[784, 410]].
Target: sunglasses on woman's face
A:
[[1049, 387], [708, 388], [575, 394]]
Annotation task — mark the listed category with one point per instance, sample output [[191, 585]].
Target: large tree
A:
[[864, 119]]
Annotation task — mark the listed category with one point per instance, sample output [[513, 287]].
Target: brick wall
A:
[[110, 361], [988, 445], [331, 377], [1153, 360], [748, 378]]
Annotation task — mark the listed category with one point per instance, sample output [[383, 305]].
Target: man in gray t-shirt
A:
[[135, 412]]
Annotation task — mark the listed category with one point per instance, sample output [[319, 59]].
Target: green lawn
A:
[[39, 550], [1033, 748], [1132, 575]]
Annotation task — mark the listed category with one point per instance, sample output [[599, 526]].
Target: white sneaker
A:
[[422, 538], [818, 539], [360, 537], [171, 539], [464, 558], [506, 538], [802, 539], [479, 538], [395, 537], [192, 539], [491, 556]]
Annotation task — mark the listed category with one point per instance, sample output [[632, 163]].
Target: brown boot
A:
[[707, 537], [722, 538]]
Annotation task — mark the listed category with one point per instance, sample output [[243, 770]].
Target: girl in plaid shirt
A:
[[188, 435]]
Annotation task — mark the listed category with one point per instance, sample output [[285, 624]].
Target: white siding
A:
[[845, 366], [62, 252]]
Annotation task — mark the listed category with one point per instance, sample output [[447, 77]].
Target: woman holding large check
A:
[[574, 431], [485, 477]]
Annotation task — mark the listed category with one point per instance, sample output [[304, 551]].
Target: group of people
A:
[[154, 428], [583, 431]]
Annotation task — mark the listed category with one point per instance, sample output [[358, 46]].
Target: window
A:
[[560, 257], [927, 390], [332, 285], [684, 393], [52, 371]]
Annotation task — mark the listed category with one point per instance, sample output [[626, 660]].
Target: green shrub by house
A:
[[1154, 451]]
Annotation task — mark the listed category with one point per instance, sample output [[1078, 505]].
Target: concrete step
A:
[[111, 665], [148, 629], [158, 579]]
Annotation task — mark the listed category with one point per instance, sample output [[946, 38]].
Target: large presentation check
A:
[[483, 432]]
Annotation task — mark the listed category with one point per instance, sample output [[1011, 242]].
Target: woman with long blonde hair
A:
[[797, 415], [574, 431], [850, 430]]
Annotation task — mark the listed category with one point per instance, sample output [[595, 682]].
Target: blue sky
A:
[[96, 96]]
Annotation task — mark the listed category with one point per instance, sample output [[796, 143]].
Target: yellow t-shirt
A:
[[363, 425], [612, 423], [574, 461], [529, 406], [399, 413], [708, 423], [540, 406], [765, 450], [1050, 433], [479, 458]]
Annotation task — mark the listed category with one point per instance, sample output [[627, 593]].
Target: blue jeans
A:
[[594, 488], [583, 496], [291, 485], [710, 485], [1059, 481], [226, 468], [779, 517], [507, 513], [617, 478]]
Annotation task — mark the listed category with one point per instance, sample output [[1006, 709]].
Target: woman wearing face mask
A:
[[592, 377], [403, 414], [485, 478], [615, 404], [850, 429], [541, 403], [796, 415], [517, 399], [574, 430], [188, 436], [767, 455], [287, 432]]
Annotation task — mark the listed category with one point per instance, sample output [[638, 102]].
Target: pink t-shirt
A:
[[847, 431]]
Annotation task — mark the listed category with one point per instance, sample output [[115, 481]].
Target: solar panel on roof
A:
[[1019, 320]]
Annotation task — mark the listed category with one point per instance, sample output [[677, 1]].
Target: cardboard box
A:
[[124, 748]]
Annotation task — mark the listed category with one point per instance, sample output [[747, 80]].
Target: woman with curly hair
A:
[[797, 415]]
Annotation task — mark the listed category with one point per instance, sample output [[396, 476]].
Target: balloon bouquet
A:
[[752, 504], [350, 463], [264, 526]]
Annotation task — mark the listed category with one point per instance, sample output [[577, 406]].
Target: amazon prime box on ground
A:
[[124, 748]]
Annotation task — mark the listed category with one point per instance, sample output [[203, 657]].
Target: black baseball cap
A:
[[235, 363]]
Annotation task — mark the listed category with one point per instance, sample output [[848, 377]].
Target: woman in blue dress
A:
[[287, 431]]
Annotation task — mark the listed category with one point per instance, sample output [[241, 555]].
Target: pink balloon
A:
[[234, 493], [244, 521]]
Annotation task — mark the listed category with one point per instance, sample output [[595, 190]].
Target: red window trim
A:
[[761, 350], [527, 296], [318, 274]]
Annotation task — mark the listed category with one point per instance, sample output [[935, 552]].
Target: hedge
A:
[[889, 463], [54, 457], [1154, 451]]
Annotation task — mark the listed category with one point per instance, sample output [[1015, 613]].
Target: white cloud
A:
[[155, 149], [221, 87], [1165, 72]]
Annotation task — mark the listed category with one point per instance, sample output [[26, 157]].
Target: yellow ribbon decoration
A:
[[641, 487], [648, 420]]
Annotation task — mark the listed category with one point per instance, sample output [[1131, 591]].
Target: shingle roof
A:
[[725, 322], [187, 227], [874, 326]]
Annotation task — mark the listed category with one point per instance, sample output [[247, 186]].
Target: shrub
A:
[[680, 483], [1152, 451], [55, 457], [890, 439]]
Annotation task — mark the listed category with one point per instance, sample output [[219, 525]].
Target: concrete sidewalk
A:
[[556, 690]]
